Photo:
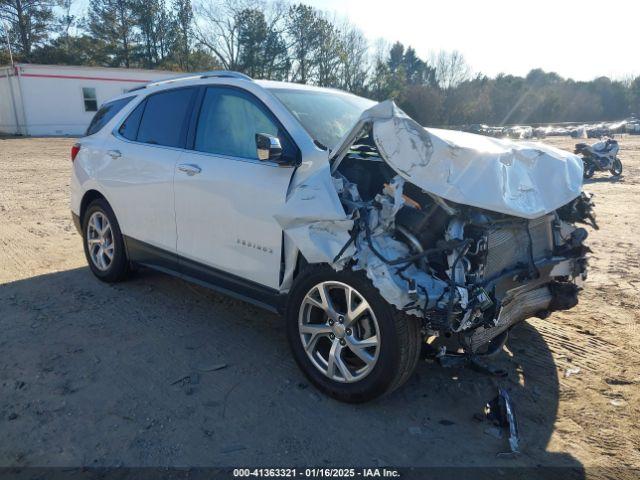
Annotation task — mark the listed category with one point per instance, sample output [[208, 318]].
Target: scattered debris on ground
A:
[[501, 412]]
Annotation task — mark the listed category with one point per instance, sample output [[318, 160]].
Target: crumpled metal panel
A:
[[523, 179], [314, 220]]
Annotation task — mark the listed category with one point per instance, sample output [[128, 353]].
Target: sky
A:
[[579, 39], [576, 39]]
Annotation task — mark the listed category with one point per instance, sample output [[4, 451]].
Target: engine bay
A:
[[464, 270]]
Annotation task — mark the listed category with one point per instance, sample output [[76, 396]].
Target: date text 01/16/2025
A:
[[316, 472]]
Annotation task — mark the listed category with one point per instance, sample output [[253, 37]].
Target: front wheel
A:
[[616, 167], [346, 338]]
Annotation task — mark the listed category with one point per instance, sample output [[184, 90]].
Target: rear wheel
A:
[[616, 167], [103, 242], [346, 338]]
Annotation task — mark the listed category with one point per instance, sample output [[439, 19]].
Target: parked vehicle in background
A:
[[368, 232], [633, 127], [600, 156]]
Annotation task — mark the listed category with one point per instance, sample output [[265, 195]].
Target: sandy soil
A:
[[101, 375]]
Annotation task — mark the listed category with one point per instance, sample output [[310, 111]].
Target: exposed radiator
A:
[[509, 245]]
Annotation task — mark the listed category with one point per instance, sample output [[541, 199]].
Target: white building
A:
[[61, 100]]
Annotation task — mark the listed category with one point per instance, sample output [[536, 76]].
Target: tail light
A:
[[74, 151]]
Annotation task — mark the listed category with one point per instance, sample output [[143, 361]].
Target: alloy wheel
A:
[[339, 331], [100, 241]]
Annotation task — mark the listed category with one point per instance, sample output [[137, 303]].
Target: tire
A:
[[116, 268], [616, 168], [396, 354], [589, 169]]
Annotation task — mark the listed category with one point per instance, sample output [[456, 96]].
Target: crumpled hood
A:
[[523, 179]]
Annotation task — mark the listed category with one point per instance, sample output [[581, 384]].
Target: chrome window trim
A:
[[240, 159]]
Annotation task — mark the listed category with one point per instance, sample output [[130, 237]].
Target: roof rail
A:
[[225, 74], [194, 76]]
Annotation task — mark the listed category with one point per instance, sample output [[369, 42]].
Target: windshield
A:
[[327, 116]]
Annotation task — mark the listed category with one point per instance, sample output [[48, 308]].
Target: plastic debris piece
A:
[[501, 412], [571, 371]]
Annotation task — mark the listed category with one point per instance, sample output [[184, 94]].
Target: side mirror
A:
[[268, 148]]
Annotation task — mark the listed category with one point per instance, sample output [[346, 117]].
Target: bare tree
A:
[[327, 58], [451, 69], [66, 20], [353, 59], [276, 50], [218, 28], [378, 83]]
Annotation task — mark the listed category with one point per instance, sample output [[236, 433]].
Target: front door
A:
[[225, 198]]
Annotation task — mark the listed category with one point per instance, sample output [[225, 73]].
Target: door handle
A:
[[190, 169], [114, 154]]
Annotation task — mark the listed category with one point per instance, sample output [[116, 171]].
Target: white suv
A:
[[372, 235]]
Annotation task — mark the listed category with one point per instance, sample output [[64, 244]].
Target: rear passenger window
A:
[[164, 118], [106, 113], [129, 129]]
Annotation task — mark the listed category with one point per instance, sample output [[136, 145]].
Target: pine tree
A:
[[114, 23], [29, 23]]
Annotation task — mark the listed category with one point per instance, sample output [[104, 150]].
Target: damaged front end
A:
[[462, 235]]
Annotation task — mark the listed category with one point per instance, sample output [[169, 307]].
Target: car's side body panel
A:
[[139, 186], [225, 215]]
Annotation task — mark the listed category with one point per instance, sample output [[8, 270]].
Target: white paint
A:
[[11, 115], [48, 99], [314, 218], [139, 186], [225, 215]]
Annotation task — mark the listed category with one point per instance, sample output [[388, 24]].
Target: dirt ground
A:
[[158, 372]]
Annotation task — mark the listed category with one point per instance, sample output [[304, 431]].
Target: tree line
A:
[[278, 40]]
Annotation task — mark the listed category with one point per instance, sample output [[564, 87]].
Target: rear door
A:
[[225, 198], [140, 160]]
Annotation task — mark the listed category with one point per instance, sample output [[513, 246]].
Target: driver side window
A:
[[229, 121]]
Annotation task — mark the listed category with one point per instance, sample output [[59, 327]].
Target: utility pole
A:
[[6, 34], [9, 82]]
